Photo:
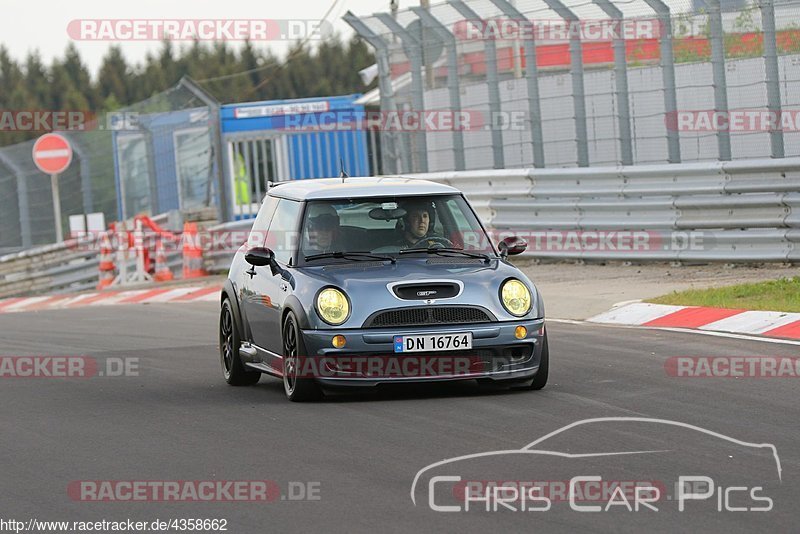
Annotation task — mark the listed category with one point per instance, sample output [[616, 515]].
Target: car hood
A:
[[367, 285]]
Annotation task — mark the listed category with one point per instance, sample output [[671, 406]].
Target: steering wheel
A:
[[433, 242]]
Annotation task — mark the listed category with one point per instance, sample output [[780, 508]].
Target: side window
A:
[[282, 234], [258, 234]]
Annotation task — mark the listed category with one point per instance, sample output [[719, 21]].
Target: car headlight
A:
[[516, 297], [333, 306]]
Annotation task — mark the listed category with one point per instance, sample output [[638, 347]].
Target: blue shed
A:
[[282, 140], [167, 161]]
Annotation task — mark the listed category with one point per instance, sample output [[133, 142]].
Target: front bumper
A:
[[496, 354]]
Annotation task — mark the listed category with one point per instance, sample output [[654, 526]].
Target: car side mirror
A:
[[259, 257], [511, 246]]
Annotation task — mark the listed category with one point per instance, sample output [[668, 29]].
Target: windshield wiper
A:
[[461, 251], [354, 255]]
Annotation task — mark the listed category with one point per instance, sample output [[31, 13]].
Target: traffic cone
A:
[[192, 253], [163, 272], [106, 266]]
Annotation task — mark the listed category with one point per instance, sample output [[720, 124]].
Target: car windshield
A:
[[371, 228]]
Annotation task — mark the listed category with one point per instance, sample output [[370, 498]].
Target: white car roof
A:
[[333, 188]]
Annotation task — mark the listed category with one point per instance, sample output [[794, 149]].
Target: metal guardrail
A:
[[740, 211], [66, 267], [218, 260]]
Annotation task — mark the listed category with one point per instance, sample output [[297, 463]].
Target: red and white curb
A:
[[762, 323], [108, 298]]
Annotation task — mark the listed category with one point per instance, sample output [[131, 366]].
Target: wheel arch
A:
[[294, 305], [229, 293]]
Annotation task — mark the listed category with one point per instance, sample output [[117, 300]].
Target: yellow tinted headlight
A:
[[333, 306], [516, 297]]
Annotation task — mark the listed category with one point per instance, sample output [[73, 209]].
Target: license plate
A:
[[433, 342]]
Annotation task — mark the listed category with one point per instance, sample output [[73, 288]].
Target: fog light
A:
[[339, 341], [520, 332]]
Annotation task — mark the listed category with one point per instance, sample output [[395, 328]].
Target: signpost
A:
[[52, 154]]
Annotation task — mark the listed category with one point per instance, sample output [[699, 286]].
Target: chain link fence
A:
[[149, 158], [564, 83]]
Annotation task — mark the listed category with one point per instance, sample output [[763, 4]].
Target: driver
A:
[[417, 223], [322, 228]]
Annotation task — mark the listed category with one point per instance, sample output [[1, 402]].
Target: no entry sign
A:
[[52, 154]]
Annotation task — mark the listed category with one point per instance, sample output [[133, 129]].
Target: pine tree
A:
[[326, 69], [114, 77]]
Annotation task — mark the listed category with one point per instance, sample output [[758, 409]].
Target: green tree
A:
[[234, 73], [114, 77]]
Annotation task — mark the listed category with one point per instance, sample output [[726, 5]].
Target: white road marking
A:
[[753, 322], [635, 313], [745, 337]]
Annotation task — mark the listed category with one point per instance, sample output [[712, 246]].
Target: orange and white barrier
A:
[[138, 245], [192, 252], [106, 266], [163, 272]]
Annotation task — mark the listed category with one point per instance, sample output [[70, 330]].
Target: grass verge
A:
[[775, 295]]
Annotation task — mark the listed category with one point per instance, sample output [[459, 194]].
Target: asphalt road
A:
[[177, 420]]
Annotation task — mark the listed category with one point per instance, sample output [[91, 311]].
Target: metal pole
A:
[[453, 84], [668, 77], [24, 211], [390, 145], [772, 78], [151, 171], [492, 83], [720, 82], [86, 177], [56, 208], [532, 78], [429, 75], [517, 57], [413, 47], [576, 72], [226, 196], [621, 81]]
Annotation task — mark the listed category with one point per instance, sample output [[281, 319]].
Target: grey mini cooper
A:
[[356, 282]]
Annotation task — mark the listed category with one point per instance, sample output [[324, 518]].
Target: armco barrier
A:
[[739, 211], [61, 268], [218, 259]]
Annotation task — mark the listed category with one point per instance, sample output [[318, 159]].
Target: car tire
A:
[[233, 369], [540, 379], [294, 350]]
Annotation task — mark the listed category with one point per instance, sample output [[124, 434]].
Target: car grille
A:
[[427, 316]]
